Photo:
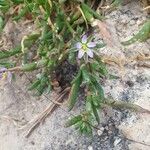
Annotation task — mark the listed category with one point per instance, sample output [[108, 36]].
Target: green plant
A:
[[61, 26], [141, 36], [62, 35]]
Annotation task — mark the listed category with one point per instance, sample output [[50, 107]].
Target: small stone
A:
[[99, 132], [132, 22], [117, 141], [90, 147], [102, 128]]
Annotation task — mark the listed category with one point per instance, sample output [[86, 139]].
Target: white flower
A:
[[5, 75], [85, 47]]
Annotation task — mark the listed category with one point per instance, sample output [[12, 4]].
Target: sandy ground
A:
[[18, 106]]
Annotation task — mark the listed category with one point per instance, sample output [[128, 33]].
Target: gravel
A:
[[116, 127]]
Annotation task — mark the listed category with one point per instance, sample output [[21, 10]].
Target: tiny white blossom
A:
[[5, 75], [85, 47]]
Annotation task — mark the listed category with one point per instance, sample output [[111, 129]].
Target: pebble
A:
[[99, 132], [90, 147], [117, 141], [132, 22]]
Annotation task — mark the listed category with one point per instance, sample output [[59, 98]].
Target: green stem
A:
[[125, 105], [29, 67]]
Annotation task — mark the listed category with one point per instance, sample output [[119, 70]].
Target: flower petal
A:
[[90, 53], [5, 75], [81, 53], [1, 76], [84, 39], [2, 69], [9, 77], [91, 44], [1, 72], [78, 45]]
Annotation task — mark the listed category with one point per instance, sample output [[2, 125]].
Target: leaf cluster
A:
[[60, 24]]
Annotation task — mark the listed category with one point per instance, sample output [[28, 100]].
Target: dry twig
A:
[[31, 125]]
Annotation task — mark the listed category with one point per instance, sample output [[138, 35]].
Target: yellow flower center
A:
[[4, 75], [84, 47]]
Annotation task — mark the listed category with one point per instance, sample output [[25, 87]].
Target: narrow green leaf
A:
[[34, 65], [99, 67], [91, 11], [40, 90], [141, 36], [95, 112], [100, 91], [102, 69], [96, 100], [83, 128], [21, 14], [89, 103], [34, 85], [85, 75], [88, 130], [7, 64], [73, 121], [78, 125], [98, 88], [75, 16], [78, 76], [48, 89], [89, 16], [116, 3], [1, 24], [29, 67], [12, 52], [74, 92]]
